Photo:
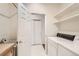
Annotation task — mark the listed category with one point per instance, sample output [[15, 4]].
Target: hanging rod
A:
[[14, 5]]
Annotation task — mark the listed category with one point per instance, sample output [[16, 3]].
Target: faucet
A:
[[3, 40]]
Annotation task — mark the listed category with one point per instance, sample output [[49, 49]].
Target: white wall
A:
[[12, 35], [8, 26], [70, 25], [49, 10]]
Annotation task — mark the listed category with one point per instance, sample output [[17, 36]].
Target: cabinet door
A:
[[64, 52], [10, 53], [52, 48], [52, 51]]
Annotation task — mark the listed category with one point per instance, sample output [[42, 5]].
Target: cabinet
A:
[[52, 48], [52, 51], [7, 49], [64, 52], [10, 53], [57, 49]]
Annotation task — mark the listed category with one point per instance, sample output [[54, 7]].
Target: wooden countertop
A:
[[4, 48]]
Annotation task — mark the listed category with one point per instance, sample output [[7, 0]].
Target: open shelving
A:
[[69, 18], [69, 12]]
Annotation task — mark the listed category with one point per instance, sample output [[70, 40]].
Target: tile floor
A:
[[38, 50]]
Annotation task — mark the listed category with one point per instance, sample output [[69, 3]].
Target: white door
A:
[[24, 31], [37, 32]]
